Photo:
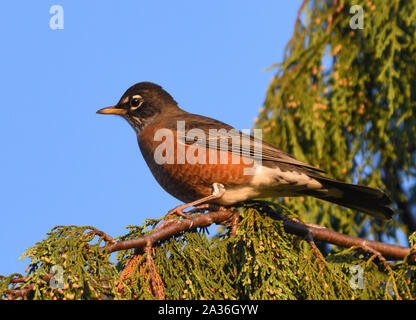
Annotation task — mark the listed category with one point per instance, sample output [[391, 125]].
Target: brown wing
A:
[[208, 134]]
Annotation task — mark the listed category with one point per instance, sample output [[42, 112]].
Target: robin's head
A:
[[141, 103]]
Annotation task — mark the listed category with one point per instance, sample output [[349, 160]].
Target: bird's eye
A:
[[135, 101]]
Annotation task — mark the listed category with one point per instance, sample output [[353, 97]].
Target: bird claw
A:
[[178, 211], [218, 191]]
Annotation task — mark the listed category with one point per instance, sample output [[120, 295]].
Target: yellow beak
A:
[[113, 110]]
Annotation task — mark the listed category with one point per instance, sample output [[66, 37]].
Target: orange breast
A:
[[187, 172]]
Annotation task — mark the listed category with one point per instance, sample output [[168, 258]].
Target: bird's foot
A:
[[178, 211], [218, 191]]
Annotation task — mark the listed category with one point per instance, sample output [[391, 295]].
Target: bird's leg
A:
[[218, 191], [303, 230]]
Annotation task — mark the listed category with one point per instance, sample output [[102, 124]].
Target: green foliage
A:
[[86, 270], [255, 264], [261, 261], [343, 99]]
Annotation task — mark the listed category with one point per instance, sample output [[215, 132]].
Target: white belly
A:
[[270, 182]]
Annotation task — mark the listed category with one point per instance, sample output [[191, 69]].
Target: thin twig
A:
[[315, 250], [373, 251], [157, 288], [234, 223], [105, 236]]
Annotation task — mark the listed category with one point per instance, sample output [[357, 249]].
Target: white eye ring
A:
[[135, 102]]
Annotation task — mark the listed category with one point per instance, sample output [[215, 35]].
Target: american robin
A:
[[200, 160]]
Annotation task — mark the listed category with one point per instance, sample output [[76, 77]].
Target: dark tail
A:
[[365, 199]]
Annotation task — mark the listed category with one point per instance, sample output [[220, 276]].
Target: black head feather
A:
[[152, 93], [155, 101]]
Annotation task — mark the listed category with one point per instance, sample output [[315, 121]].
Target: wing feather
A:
[[248, 146]]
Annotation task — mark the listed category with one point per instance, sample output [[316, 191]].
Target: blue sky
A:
[[62, 164]]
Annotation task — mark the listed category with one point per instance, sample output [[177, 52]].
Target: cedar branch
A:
[[171, 227]]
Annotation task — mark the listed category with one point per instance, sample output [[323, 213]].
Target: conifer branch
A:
[[171, 227], [388, 251], [18, 293]]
